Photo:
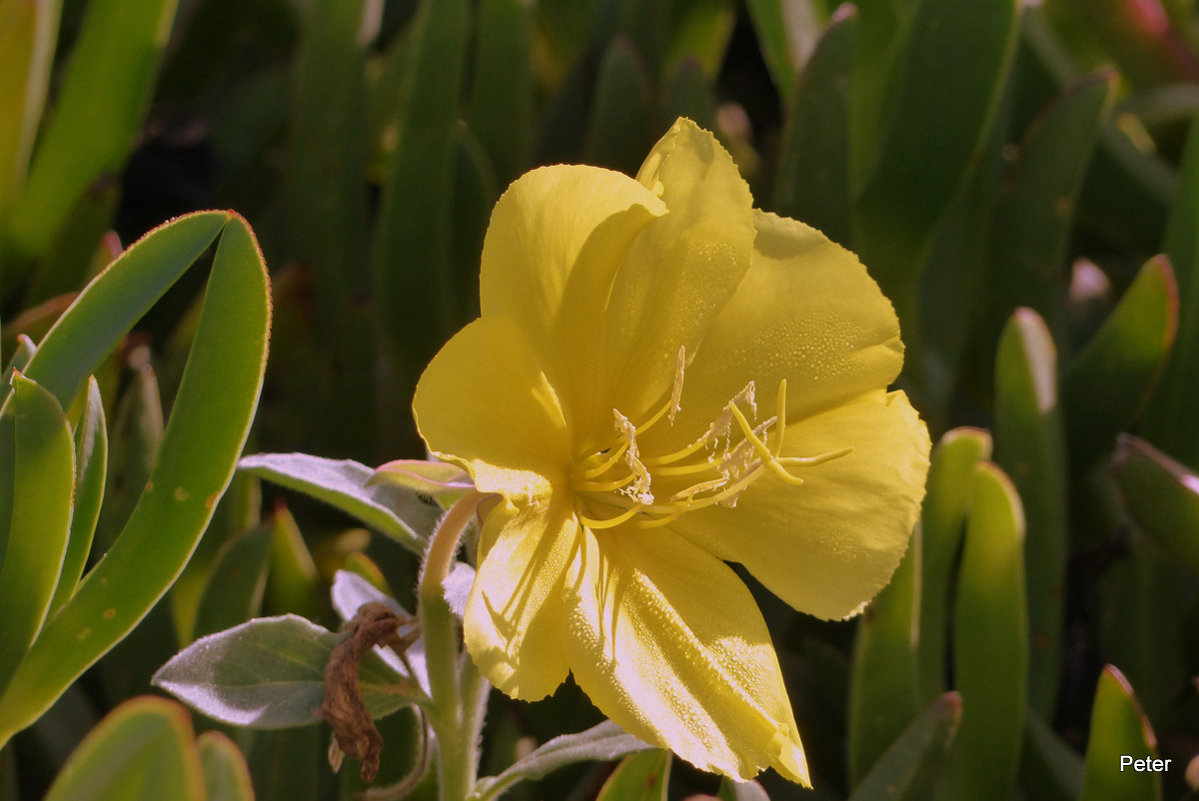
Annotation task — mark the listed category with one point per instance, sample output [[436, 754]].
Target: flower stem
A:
[[454, 682]]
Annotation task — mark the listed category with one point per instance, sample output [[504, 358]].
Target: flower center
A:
[[620, 484]]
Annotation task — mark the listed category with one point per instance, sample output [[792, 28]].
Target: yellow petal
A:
[[806, 311], [678, 274], [515, 616], [828, 546], [484, 403], [668, 642]]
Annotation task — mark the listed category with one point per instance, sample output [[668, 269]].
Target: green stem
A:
[[454, 682]]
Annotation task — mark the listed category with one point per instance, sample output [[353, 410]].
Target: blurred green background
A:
[[1020, 180]]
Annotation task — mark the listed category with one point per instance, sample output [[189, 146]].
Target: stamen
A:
[[672, 403], [608, 463], [743, 460], [595, 524]]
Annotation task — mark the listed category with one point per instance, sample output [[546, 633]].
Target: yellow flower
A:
[[664, 380]]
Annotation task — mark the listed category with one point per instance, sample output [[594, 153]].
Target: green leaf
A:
[[1171, 423], [741, 791], [911, 764], [269, 673], [618, 132], [1108, 383], [950, 487], [1031, 449], [500, 111], [236, 582], [1162, 496], [813, 173], [1035, 212], [1048, 763], [226, 775], [1119, 731], [28, 31], [143, 751], [343, 484], [42, 482], [638, 777], [293, 583], [101, 104], [924, 89], [136, 437], [209, 423], [882, 694], [699, 32], [411, 259], [603, 742], [991, 641], [109, 306], [770, 24], [324, 205], [91, 467]]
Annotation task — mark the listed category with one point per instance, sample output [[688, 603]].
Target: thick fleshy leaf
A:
[[667, 641], [143, 751], [603, 742], [500, 112], [1170, 422], [813, 173], [908, 156], [741, 791], [618, 125], [293, 583], [100, 105], [91, 467], [1162, 496], [828, 546], [1036, 203], [883, 679], [226, 775], [28, 32], [1031, 449], [638, 777], [1048, 763], [991, 641], [110, 305], [269, 673], [343, 484], [323, 210], [950, 487], [42, 481], [236, 582], [136, 436], [1120, 735], [411, 258], [514, 616], [909, 768], [208, 426], [1111, 379], [774, 33]]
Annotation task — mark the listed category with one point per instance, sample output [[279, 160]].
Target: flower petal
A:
[[515, 615], [828, 546], [485, 403], [668, 642], [806, 311], [554, 226], [678, 274]]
